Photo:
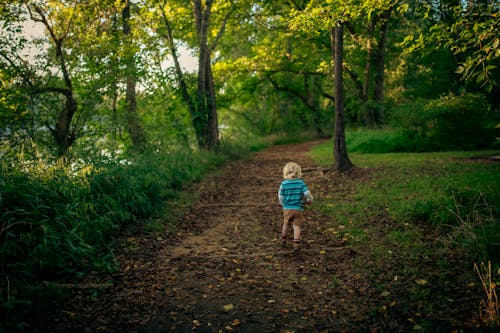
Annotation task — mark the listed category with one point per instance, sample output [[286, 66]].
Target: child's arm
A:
[[281, 197], [309, 197]]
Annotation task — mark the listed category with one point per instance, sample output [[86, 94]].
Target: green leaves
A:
[[471, 34], [57, 222], [323, 15]]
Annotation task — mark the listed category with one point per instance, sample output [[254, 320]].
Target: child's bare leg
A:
[[296, 234], [284, 232]]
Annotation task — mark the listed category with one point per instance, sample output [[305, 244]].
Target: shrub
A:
[[58, 222], [374, 141], [449, 123]]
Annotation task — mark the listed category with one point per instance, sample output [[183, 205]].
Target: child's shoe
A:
[[296, 244], [283, 241]]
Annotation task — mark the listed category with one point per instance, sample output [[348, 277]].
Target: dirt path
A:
[[224, 270]]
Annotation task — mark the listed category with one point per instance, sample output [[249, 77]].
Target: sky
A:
[[34, 30]]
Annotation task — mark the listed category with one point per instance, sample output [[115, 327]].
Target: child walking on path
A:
[[292, 192]]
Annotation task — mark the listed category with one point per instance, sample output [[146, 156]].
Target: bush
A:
[[374, 141], [58, 222], [450, 123]]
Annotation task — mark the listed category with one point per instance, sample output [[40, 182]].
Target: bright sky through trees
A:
[[35, 30]]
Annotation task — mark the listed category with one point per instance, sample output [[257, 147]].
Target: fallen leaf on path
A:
[[69, 313], [228, 307], [421, 282]]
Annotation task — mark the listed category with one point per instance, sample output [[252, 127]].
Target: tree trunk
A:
[[341, 161], [378, 94], [368, 113], [134, 125], [213, 123], [207, 129], [188, 99], [63, 134], [313, 105], [62, 131], [369, 51]]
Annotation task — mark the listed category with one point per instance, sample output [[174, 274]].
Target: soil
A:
[[223, 269]]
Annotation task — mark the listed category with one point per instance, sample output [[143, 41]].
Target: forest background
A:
[[101, 125]]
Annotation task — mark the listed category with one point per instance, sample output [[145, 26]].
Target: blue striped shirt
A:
[[291, 193]]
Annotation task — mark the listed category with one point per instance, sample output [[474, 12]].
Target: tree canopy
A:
[[109, 73]]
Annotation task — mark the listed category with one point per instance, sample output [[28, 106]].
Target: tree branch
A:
[[357, 82], [288, 90], [180, 75], [323, 93], [222, 29], [42, 90], [286, 70]]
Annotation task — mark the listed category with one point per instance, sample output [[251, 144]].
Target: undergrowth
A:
[[58, 221]]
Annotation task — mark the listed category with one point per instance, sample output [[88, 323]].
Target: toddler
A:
[[292, 193]]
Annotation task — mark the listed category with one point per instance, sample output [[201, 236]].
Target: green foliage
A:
[[59, 221], [374, 141], [434, 67], [473, 38], [457, 122], [451, 123]]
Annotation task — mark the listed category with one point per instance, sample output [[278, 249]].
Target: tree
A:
[[202, 103], [341, 161], [134, 124], [328, 15], [333, 15], [469, 31], [288, 66], [63, 79], [62, 132], [374, 41]]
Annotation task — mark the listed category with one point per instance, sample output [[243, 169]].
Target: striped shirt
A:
[[291, 193]]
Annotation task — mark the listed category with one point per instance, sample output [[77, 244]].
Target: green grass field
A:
[[456, 192]]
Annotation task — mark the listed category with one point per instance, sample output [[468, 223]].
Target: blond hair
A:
[[292, 170]]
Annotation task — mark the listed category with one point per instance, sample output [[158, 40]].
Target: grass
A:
[[425, 215], [59, 222]]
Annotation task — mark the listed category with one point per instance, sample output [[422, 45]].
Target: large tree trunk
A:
[[213, 122], [134, 125], [341, 161], [208, 129], [62, 132]]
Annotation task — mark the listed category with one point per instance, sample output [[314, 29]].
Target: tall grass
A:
[[58, 222]]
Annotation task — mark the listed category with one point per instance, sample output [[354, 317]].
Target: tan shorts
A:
[[294, 217]]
